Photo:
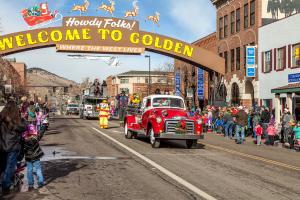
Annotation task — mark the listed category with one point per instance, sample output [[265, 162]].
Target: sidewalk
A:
[[276, 153]]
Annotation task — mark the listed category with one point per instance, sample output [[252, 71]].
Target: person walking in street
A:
[[258, 131], [265, 120], [286, 118], [242, 121], [228, 124], [31, 113], [33, 153], [11, 129]]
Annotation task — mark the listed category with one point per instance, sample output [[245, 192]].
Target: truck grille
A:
[[170, 126]]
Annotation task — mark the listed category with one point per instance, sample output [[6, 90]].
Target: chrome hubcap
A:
[[152, 138]]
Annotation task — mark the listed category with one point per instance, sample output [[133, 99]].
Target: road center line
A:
[[253, 157], [161, 169]]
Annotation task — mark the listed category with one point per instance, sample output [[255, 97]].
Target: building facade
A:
[[279, 64], [21, 69], [194, 82], [137, 82]]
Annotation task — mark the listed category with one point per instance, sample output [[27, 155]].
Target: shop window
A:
[[246, 18], [238, 58], [280, 59], [221, 28], [267, 63], [296, 55], [238, 20], [226, 61], [232, 59], [232, 22], [252, 13], [226, 26]]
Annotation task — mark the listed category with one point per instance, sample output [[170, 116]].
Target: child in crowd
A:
[[297, 131], [258, 131], [271, 131], [219, 125], [33, 153], [39, 115]]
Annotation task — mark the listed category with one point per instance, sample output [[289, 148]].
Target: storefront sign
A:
[[7, 89], [177, 83], [250, 56], [107, 35], [200, 87], [294, 78]]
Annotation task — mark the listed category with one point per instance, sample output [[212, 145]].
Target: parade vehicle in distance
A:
[[88, 107], [163, 117], [72, 108]]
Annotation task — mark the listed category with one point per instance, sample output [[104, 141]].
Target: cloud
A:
[[198, 17]]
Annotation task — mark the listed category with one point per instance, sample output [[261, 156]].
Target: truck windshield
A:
[[93, 101], [168, 102]]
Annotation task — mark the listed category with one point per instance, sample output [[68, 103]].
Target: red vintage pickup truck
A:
[[163, 117]]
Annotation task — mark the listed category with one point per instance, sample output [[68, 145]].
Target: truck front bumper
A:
[[173, 136]]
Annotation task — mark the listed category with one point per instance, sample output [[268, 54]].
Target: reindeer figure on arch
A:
[[155, 19], [133, 13], [108, 8], [81, 8]]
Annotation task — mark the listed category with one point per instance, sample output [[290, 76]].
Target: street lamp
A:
[[149, 79]]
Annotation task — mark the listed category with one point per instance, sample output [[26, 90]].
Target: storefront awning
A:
[[290, 88]]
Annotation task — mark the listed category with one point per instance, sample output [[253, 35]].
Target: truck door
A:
[[146, 112]]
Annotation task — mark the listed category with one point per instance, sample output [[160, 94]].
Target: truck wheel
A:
[[155, 143], [128, 133], [191, 143]]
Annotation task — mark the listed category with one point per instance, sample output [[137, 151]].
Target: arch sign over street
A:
[[107, 35]]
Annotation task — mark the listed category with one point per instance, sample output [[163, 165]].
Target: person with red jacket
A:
[[258, 131]]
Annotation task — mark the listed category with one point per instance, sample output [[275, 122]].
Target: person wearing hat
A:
[[265, 120], [33, 153], [241, 123], [103, 114], [286, 118]]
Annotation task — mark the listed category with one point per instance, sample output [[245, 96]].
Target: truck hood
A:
[[172, 113]]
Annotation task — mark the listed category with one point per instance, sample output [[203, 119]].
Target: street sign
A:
[[294, 78], [250, 60], [200, 87], [251, 71], [177, 83]]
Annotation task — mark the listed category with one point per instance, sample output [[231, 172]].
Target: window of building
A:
[[147, 80], [232, 22], [162, 80], [267, 63], [238, 20], [252, 13], [296, 55], [221, 28], [226, 61], [232, 59], [138, 80], [238, 58], [221, 54], [280, 59], [246, 18], [226, 26], [124, 80]]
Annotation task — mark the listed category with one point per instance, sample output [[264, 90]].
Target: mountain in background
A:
[[40, 77]]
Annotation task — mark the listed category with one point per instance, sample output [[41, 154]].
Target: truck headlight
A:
[[199, 121], [158, 120]]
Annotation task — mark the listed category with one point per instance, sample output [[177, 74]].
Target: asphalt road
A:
[[83, 163]]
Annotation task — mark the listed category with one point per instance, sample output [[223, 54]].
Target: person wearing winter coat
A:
[[286, 118], [241, 123], [31, 113], [258, 131], [271, 131], [33, 153], [11, 129]]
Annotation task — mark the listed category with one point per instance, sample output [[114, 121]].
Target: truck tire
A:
[[191, 144], [155, 143], [128, 133]]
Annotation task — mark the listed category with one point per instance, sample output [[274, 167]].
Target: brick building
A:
[[237, 27], [137, 82]]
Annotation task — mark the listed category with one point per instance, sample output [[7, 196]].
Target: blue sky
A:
[[187, 20]]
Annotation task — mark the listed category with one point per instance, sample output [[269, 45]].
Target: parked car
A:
[[163, 117]]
